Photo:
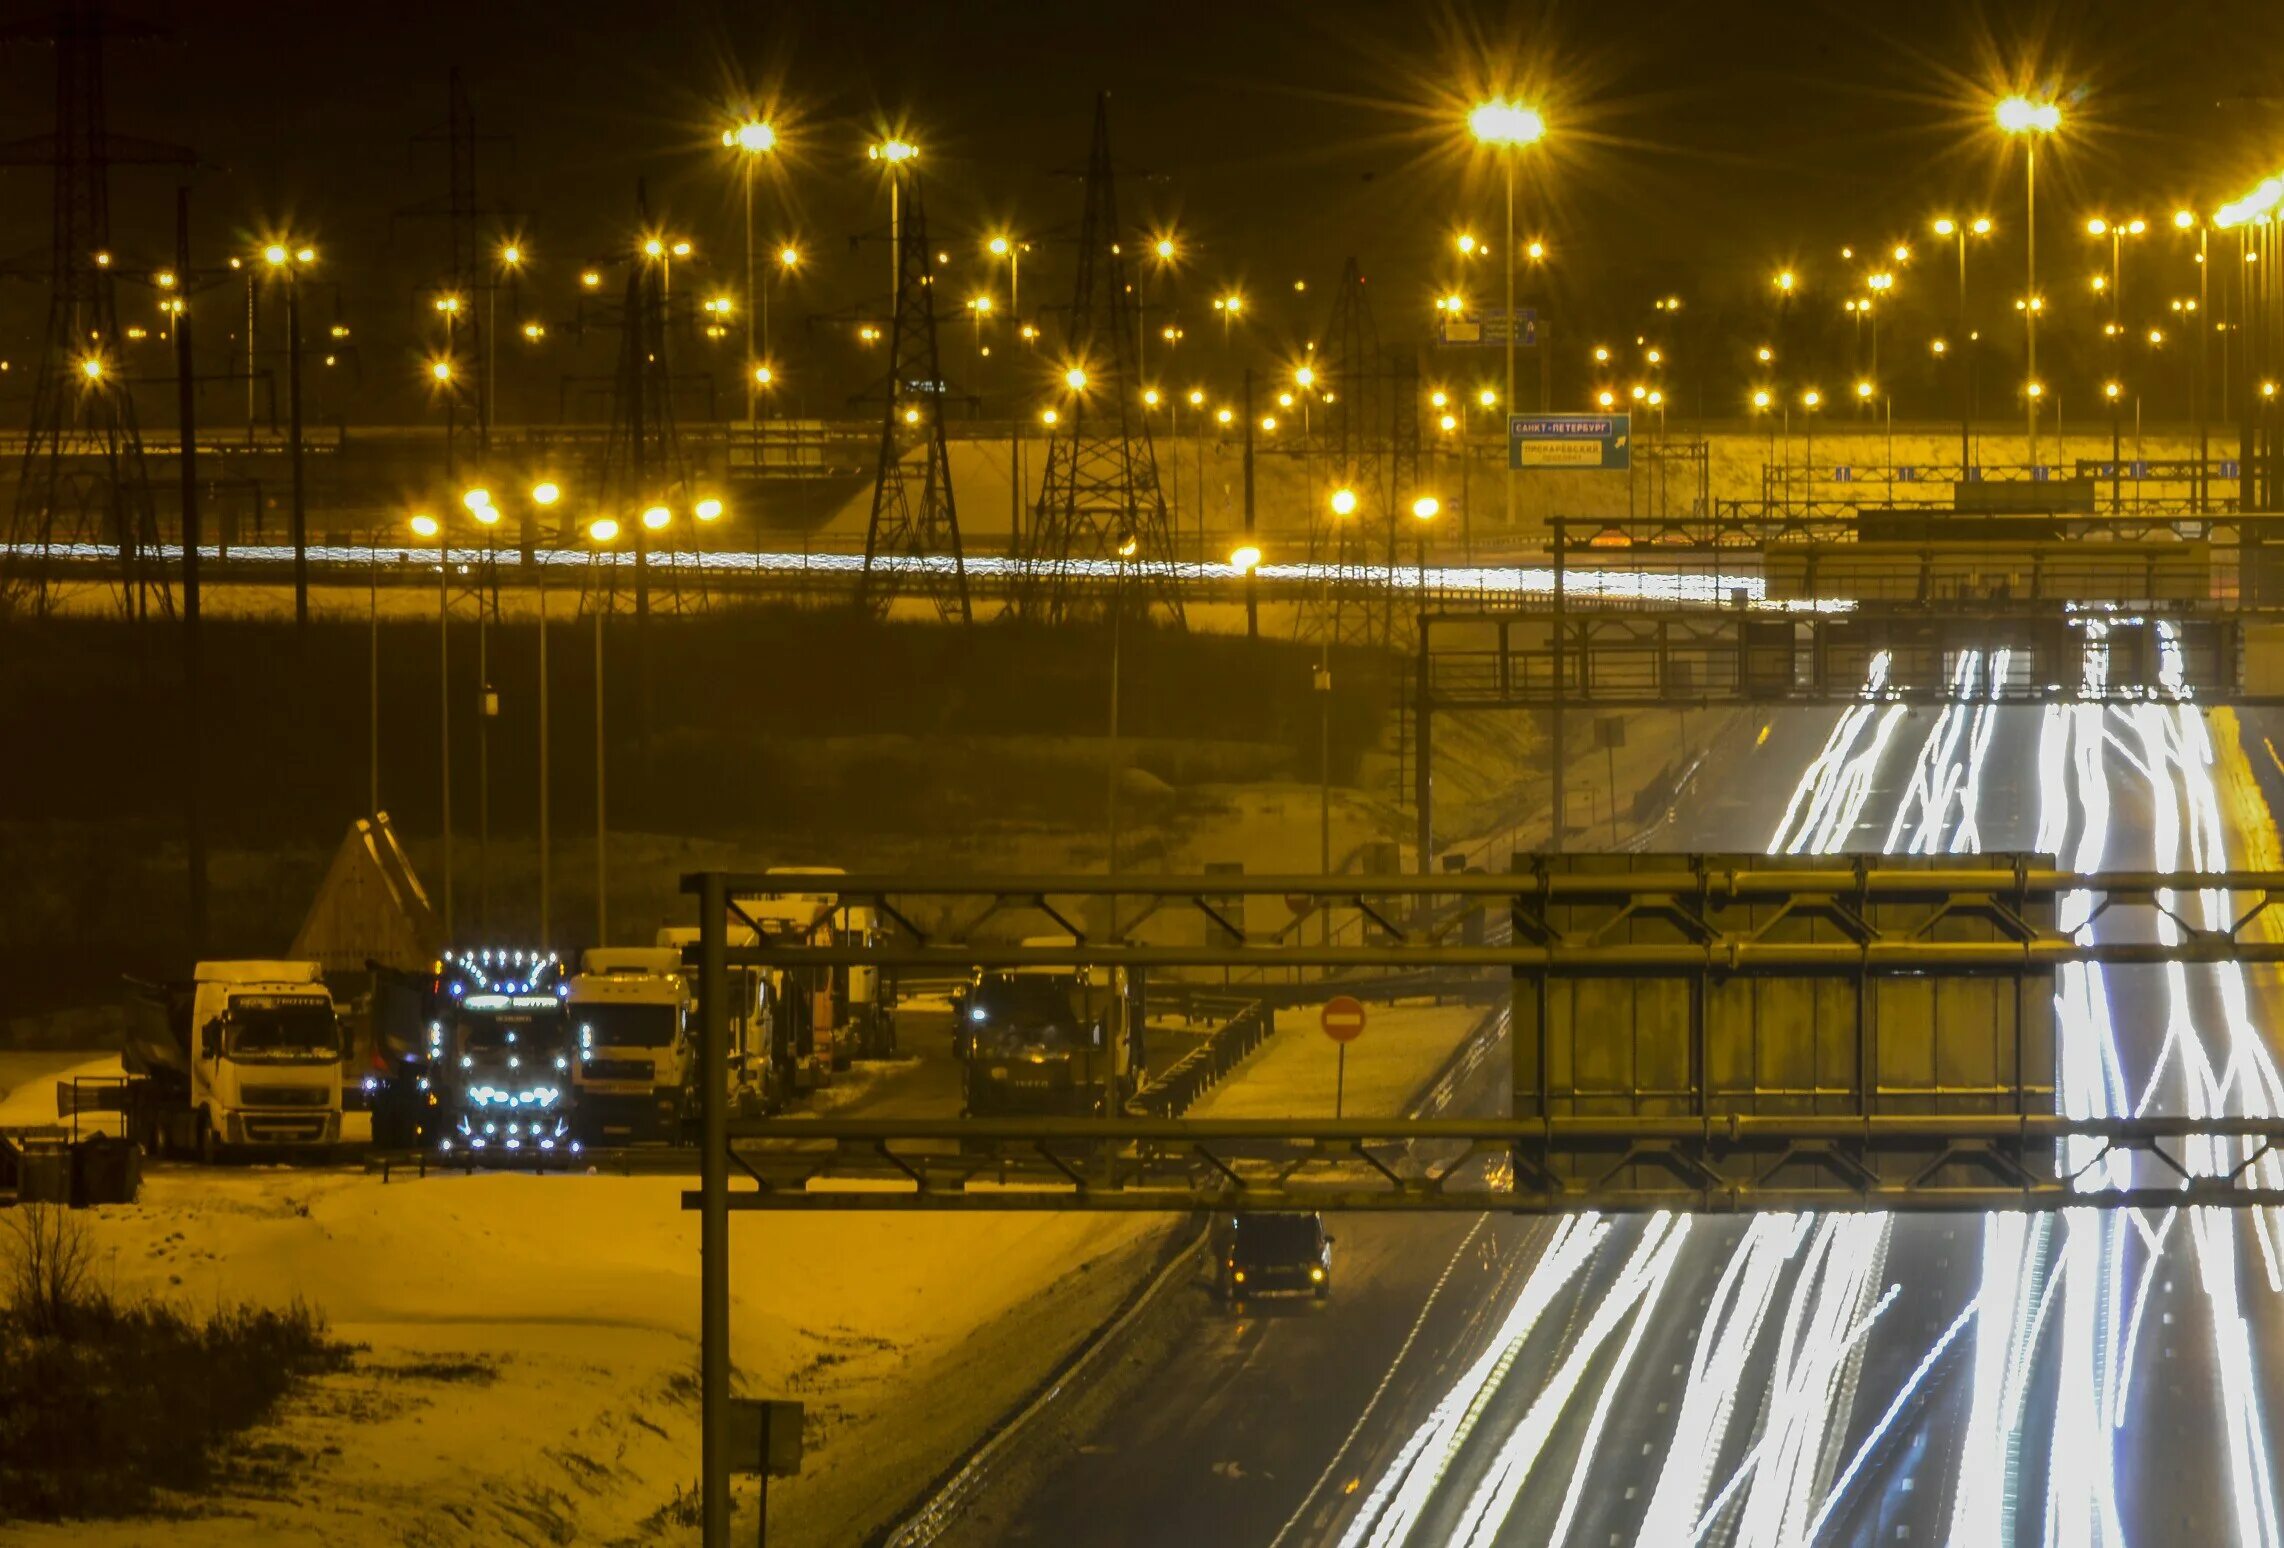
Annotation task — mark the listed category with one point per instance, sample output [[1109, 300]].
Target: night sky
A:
[[1691, 149]]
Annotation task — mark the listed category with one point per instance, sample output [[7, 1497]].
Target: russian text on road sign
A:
[[1589, 441], [1489, 326], [1344, 1018]]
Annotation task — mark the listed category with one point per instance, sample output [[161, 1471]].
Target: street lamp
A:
[[287, 262], [1507, 127], [2030, 119], [1425, 509], [431, 529], [1958, 231], [752, 138], [893, 154]]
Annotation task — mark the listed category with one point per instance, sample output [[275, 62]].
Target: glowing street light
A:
[[1075, 378], [656, 517], [1344, 502], [603, 529], [546, 492], [477, 500], [2030, 119], [1426, 507], [1508, 127], [707, 509], [425, 526], [1245, 559], [753, 136]]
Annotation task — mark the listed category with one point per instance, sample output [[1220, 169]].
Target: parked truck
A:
[[630, 1019], [829, 1015], [760, 1069], [244, 1056], [1061, 1041], [498, 1069]]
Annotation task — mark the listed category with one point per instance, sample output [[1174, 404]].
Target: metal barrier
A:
[[1249, 1025]]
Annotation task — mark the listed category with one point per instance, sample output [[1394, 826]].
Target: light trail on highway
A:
[[2021, 1404]]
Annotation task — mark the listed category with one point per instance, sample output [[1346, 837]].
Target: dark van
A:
[[1272, 1255]]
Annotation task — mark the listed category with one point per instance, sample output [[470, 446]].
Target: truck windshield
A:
[[1278, 1239], [1031, 1008], [534, 1034], [284, 1027], [624, 1026]]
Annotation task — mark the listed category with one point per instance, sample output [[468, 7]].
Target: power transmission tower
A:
[[469, 267], [82, 478], [1100, 501], [642, 465], [910, 534], [1351, 381]]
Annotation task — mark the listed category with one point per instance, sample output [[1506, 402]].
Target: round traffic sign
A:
[[1343, 1018]]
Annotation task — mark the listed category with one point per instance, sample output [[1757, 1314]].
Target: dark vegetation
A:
[[103, 1403], [757, 722]]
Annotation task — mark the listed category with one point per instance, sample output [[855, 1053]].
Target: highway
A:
[[2088, 1378]]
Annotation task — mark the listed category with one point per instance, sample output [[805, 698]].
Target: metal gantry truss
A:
[[1532, 1166], [1660, 921]]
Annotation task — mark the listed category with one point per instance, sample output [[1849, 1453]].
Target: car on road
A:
[[1272, 1254]]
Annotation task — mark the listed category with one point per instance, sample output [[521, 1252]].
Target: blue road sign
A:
[[1489, 327], [1603, 442]]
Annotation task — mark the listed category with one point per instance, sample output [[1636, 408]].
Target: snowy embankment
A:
[[530, 1374], [1294, 1073]]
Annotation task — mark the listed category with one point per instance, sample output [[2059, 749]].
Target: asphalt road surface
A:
[[2086, 1378]]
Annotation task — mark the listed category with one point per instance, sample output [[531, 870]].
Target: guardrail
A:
[[1249, 1024]]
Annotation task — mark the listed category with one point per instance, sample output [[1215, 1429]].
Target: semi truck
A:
[[837, 1013], [243, 1056], [630, 1019], [759, 1080], [1059, 1041], [498, 1071]]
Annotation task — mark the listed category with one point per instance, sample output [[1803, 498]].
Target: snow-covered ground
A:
[[1293, 1074], [530, 1374]]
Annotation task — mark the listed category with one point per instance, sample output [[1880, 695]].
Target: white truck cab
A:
[[630, 1024], [250, 1056]]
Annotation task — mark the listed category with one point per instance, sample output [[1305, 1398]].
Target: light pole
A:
[[1508, 127], [1343, 505], [893, 154], [479, 505], [510, 260], [1128, 547], [1810, 401], [288, 262], [2021, 116], [752, 138], [1010, 249], [544, 495], [1958, 230], [1163, 251], [429, 528], [2186, 220], [602, 532]]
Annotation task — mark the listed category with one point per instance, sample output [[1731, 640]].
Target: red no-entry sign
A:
[[1343, 1018]]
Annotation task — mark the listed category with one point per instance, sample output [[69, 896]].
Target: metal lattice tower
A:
[[1100, 493], [914, 529], [642, 463], [1351, 374], [83, 478]]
